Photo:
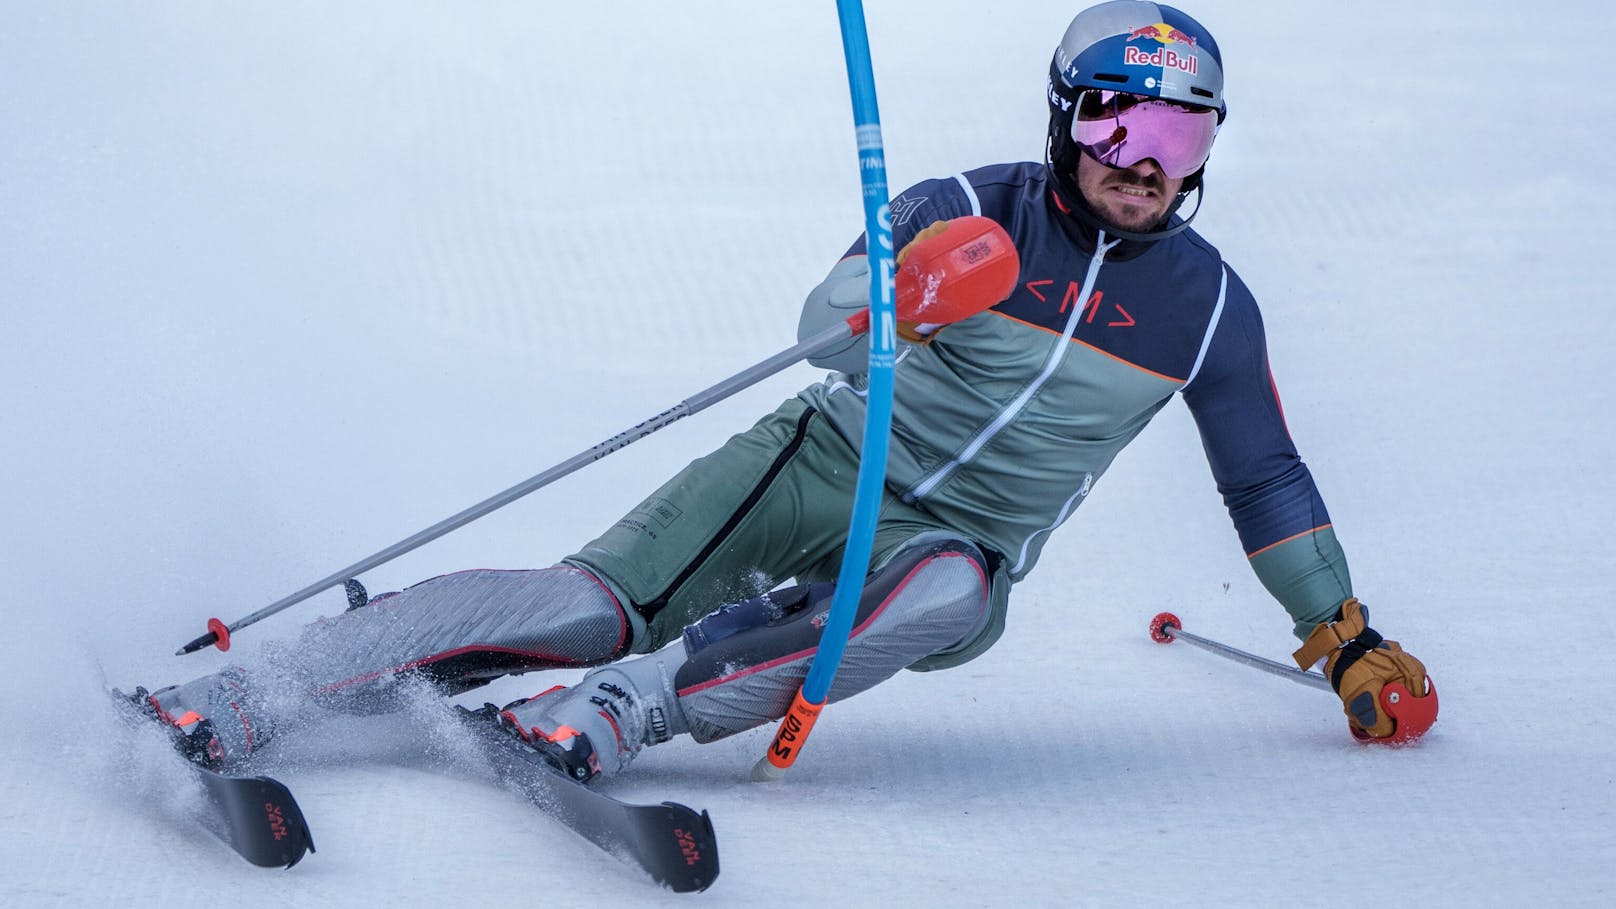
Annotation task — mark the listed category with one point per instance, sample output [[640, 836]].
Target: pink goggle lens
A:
[[1121, 130]]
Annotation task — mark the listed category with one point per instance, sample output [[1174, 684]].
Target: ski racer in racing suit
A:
[[1002, 424]]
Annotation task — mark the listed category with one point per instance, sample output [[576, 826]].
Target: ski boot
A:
[[596, 728], [187, 712]]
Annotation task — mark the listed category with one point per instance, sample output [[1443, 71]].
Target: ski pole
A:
[[1166, 628], [1412, 715], [219, 633], [954, 275]]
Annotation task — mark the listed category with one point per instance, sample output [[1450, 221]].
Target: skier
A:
[[1002, 424]]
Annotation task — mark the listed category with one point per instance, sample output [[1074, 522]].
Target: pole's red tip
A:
[[1158, 627], [221, 634]]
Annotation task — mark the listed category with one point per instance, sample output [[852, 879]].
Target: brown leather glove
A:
[[1385, 692]]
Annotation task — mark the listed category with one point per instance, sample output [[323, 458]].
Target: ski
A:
[[254, 815], [672, 843]]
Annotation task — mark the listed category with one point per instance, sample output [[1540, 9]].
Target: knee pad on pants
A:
[[924, 600]]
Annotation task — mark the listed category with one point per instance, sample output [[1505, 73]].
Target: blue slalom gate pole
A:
[[810, 699]]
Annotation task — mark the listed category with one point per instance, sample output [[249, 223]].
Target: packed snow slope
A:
[[281, 284]]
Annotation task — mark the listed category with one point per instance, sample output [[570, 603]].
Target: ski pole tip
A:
[[195, 645], [218, 635], [764, 771]]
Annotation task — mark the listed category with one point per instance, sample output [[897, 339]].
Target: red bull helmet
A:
[[1135, 50]]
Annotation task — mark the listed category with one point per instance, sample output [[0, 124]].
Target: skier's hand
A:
[[934, 229], [917, 332], [950, 271], [1385, 692]]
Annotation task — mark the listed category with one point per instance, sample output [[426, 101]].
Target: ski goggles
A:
[[1120, 129]]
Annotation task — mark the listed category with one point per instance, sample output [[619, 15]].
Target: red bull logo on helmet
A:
[[1165, 57], [1162, 33], [1162, 57]]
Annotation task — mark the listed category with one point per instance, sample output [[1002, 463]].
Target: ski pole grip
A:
[[858, 323], [788, 739]]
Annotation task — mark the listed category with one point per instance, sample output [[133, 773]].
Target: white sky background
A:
[[282, 284]]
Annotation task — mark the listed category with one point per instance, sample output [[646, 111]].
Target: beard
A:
[[1145, 213], [1102, 188]]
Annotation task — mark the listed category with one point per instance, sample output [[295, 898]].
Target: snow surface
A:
[[281, 284]]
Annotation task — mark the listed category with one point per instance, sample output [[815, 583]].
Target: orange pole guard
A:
[[788, 739]]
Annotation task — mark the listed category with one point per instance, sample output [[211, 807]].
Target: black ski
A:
[[672, 843], [254, 815], [258, 818]]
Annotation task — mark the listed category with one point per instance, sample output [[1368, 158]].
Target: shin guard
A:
[[745, 662]]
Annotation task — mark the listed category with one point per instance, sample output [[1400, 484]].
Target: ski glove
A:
[[949, 271], [845, 291], [1384, 691], [914, 332]]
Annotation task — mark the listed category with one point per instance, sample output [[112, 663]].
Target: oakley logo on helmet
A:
[[1054, 97]]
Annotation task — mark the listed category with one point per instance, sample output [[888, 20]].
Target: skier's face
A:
[[1132, 198]]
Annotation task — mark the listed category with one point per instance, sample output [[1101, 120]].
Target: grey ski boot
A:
[[214, 720], [596, 727]]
